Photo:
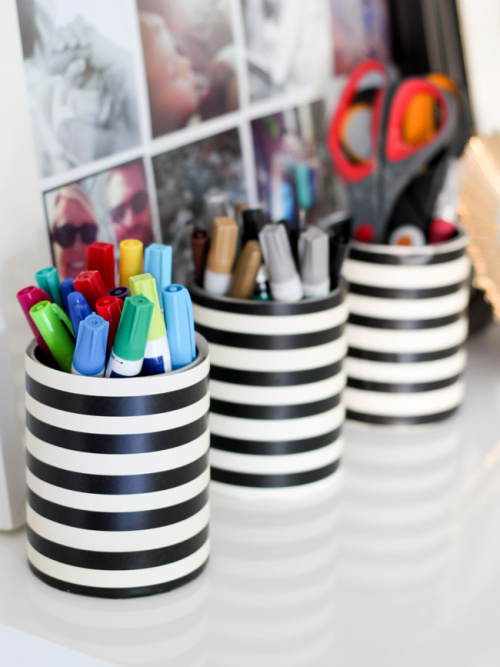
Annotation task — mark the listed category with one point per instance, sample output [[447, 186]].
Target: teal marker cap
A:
[[132, 335], [158, 262], [56, 330], [48, 280]]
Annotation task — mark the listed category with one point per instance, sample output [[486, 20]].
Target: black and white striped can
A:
[[118, 477], [276, 383], [406, 332]]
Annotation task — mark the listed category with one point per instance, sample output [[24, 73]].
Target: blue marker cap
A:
[[180, 325], [90, 351], [78, 308], [66, 288], [48, 280], [158, 262]]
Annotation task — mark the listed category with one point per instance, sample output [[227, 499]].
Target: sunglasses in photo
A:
[[66, 234], [137, 203]]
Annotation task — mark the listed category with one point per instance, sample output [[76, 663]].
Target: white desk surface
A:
[[399, 566]]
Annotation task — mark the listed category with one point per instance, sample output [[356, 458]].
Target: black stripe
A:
[[269, 308], [403, 357], [116, 593], [245, 411], [116, 484], [398, 421], [127, 443], [395, 293], [270, 341], [273, 481], [274, 379], [378, 323], [270, 448], [405, 388], [414, 259], [117, 521], [128, 560], [116, 406]]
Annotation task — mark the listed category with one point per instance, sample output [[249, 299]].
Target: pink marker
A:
[[28, 297]]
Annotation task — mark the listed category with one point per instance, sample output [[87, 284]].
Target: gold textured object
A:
[[479, 212]]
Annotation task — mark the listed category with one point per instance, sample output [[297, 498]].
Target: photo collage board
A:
[[139, 108]]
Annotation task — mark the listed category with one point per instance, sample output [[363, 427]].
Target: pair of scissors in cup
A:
[[369, 144]]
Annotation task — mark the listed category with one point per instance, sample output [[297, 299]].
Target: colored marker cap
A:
[[131, 260], [222, 251], [91, 285], [132, 334], [120, 292], [253, 222], [110, 308], [66, 288], [101, 257], [48, 280], [314, 261], [178, 310], [90, 351], [145, 284], [78, 309], [158, 262], [56, 329], [28, 297], [245, 274], [200, 243]]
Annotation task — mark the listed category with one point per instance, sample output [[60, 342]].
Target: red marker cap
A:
[[28, 297], [101, 257], [441, 231], [110, 308], [91, 285]]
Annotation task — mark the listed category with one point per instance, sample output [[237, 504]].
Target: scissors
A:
[[382, 162]]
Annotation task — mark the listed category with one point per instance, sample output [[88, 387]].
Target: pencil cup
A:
[[117, 475], [406, 331], [276, 383]]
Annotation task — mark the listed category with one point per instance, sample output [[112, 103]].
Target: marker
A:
[[245, 274], [261, 292], [158, 262], [55, 327], [78, 309], [293, 238], [338, 251], [157, 353], [216, 206], [221, 256], [67, 288], [91, 285], [28, 297], [253, 222], [90, 351], [314, 260], [283, 277], [101, 257], [178, 311], [200, 243], [128, 350], [110, 308], [130, 260], [120, 292], [408, 235], [48, 280]]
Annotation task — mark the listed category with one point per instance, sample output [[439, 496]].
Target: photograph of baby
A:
[[110, 206], [79, 74], [190, 61], [287, 46], [294, 177], [183, 178]]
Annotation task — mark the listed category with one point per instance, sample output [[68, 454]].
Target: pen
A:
[[120, 292], [66, 288], [283, 277], [216, 206], [28, 297], [78, 310], [338, 250], [245, 274], [91, 285], [48, 280], [158, 263], [101, 257], [253, 221], [293, 238], [200, 243], [178, 311], [157, 352], [55, 327], [314, 259], [261, 292], [131, 260], [128, 350], [89, 357], [110, 308], [221, 256]]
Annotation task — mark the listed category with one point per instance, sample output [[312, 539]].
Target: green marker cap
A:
[[48, 280], [146, 284], [56, 330], [132, 335]]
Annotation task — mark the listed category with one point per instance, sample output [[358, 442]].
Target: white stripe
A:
[[118, 541], [408, 309], [272, 430], [407, 277], [404, 405], [295, 395], [117, 425], [408, 340], [398, 484], [137, 502], [275, 465], [422, 371], [150, 576], [118, 464], [266, 324], [278, 360]]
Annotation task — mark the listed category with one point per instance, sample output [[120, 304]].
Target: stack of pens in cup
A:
[[88, 326]]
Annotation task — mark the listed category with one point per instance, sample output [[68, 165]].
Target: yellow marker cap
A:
[[131, 260], [145, 284]]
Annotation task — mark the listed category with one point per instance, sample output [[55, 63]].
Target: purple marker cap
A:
[[28, 297], [120, 292]]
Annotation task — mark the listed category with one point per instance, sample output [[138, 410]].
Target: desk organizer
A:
[[276, 382], [117, 474], [406, 332]]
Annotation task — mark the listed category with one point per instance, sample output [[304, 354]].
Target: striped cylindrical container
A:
[[276, 384], [407, 328], [117, 475]]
